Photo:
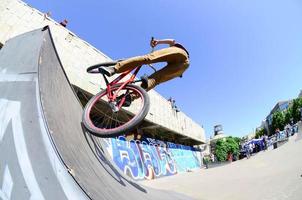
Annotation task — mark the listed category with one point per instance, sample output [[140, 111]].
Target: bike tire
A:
[[125, 128]]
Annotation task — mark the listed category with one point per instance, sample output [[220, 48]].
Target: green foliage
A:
[[296, 114], [278, 121], [281, 119], [288, 115], [237, 139], [232, 145], [260, 133], [221, 150], [226, 146]]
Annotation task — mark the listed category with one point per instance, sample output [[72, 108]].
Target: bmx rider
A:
[[176, 56]]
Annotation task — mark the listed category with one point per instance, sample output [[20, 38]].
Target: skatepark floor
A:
[[269, 175]]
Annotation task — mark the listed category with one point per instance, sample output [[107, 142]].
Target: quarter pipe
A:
[[45, 153]]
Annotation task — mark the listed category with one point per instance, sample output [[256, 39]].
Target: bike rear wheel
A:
[[100, 119]]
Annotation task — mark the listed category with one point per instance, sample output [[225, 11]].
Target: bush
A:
[[296, 114], [278, 121], [288, 115], [221, 150], [260, 133], [226, 146]]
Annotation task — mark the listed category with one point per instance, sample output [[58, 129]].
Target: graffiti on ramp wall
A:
[[150, 158]]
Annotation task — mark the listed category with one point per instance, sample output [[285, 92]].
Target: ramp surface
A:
[[45, 152]]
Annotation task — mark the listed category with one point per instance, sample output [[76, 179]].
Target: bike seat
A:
[[95, 68]]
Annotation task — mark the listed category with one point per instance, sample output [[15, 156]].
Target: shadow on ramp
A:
[[97, 148]]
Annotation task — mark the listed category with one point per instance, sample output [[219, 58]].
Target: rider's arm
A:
[[170, 42]]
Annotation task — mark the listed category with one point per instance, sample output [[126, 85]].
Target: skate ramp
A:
[[45, 152]]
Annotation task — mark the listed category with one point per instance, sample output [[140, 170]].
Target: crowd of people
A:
[[255, 145]]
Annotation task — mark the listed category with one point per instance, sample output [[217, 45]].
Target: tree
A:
[[226, 146], [260, 133], [232, 145], [296, 114], [278, 121], [288, 115], [221, 150]]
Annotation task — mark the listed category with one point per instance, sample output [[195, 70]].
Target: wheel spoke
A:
[[104, 119]]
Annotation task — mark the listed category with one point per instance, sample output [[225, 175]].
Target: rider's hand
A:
[[153, 43]]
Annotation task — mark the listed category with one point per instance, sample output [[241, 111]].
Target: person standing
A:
[[205, 161], [247, 151], [64, 22], [251, 149]]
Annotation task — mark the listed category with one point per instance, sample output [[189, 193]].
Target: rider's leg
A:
[[172, 70], [170, 55]]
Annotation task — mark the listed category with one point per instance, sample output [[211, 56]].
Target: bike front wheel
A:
[[102, 120]]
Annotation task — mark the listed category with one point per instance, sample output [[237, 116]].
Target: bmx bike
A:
[[118, 109]]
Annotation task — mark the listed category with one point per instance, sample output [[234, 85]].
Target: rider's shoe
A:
[[109, 71], [144, 79]]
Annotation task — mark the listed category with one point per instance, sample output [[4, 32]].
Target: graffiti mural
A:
[[150, 158]]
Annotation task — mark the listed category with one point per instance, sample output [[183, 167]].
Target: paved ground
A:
[[269, 175]]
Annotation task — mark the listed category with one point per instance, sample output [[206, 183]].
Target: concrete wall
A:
[[150, 158], [76, 55]]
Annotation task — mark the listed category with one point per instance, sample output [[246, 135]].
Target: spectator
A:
[[176, 108], [235, 156], [277, 132], [64, 22], [247, 151], [251, 149], [287, 130], [173, 104], [212, 157], [254, 148], [294, 129], [265, 142], [206, 161], [230, 157], [47, 15]]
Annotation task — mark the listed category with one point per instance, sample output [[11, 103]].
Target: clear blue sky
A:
[[245, 54]]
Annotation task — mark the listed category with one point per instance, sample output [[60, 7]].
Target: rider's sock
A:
[[149, 84], [144, 81]]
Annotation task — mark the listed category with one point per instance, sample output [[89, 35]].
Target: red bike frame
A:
[[112, 96]]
